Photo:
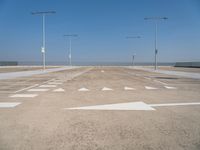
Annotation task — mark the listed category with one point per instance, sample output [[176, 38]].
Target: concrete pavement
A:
[[44, 120], [175, 73]]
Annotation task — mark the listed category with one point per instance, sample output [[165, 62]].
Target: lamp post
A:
[[70, 46], [156, 19], [133, 63], [43, 48], [133, 37]]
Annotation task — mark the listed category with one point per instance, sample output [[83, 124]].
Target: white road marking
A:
[[128, 88], [120, 106], [26, 88], [83, 90], [107, 89], [24, 95], [147, 78], [56, 83], [9, 105], [150, 88], [59, 90], [48, 81], [102, 71], [32, 86], [169, 87], [160, 82], [130, 106], [38, 90], [45, 86], [174, 104]]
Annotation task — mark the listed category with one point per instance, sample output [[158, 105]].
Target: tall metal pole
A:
[[43, 48], [156, 50], [70, 51], [133, 60], [70, 46], [156, 26], [133, 37]]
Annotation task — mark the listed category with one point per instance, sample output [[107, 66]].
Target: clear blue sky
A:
[[102, 26]]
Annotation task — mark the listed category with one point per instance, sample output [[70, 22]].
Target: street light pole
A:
[[133, 60], [156, 28], [70, 46], [43, 48], [156, 50], [133, 37], [43, 45]]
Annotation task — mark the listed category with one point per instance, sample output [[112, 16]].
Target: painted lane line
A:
[[24, 95], [119, 106], [128, 88], [147, 78], [160, 82], [102, 71], [46, 86], [26, 88], [170, 87], [56, 83], [83, 90], [150, 88], [38, 90], [130, 106], [48, 81], [107, 89], [59, 90], [8, 105], [32, 86]]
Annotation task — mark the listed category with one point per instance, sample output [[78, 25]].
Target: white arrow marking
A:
[[120, 106], [24, 95], [107, 89], [8, 105], [150, 88], [169, 87], [174, 104], [128, 88], [131, 106], [59, 90], [47, 86], [38, 90], [83, 90]]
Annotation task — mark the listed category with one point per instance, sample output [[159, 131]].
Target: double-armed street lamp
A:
[[43, 50], [70, 46], [133, 56], [156, 19]]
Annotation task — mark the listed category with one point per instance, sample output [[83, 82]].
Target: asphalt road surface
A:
[[100, 108]]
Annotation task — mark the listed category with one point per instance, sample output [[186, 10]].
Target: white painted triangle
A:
[[59, 90], [9, 104], [83, 90], [24, 95], [119, 106], [150, 88], [169, 87], [128, 88], [45, 86], [38, 90], [107, 89]]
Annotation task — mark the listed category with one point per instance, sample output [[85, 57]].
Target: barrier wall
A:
[[8, 63], [188, 64]]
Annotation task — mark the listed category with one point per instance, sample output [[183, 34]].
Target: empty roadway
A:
[[43, 119]]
